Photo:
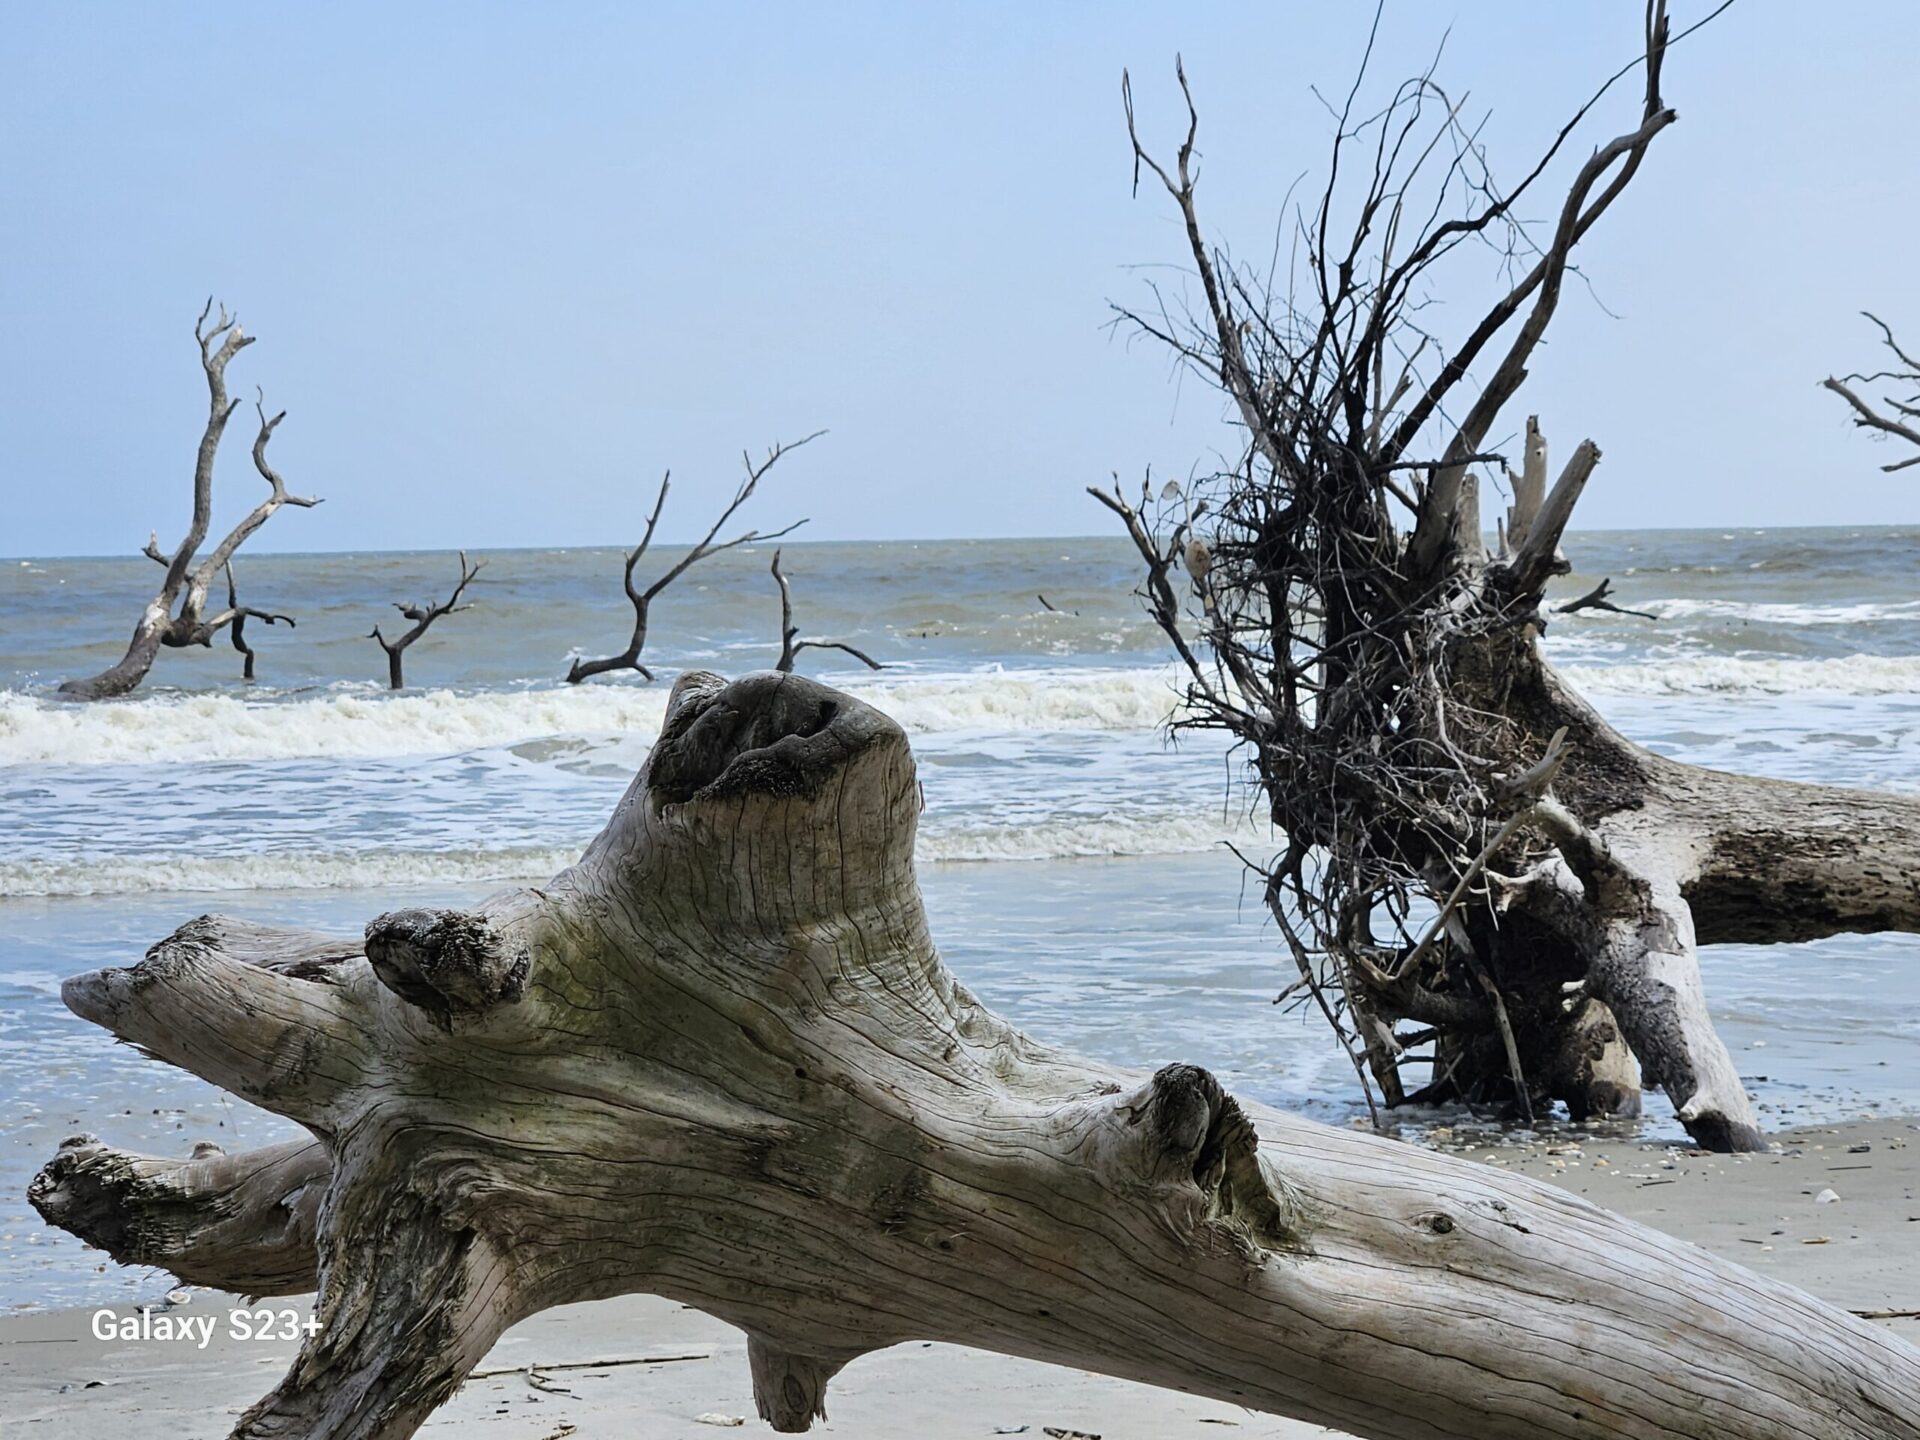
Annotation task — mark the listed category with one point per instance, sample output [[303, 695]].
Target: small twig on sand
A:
[[588, 1364]]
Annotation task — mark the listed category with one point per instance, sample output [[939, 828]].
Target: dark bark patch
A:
[[902, 1203], [447, 962], [772, 734]]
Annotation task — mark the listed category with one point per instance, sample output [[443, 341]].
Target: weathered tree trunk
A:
[[720, 1060], [245, 1223], [186, 582], [1660, 858], [126, 673]]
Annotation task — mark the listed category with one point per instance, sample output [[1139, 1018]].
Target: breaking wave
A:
[[1112, 835], [210, 728], [1785, 613], [1732, 675], [360, 723], [149, 874]]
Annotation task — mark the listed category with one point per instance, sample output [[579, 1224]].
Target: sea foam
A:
[[1734, 676], [361, 723]]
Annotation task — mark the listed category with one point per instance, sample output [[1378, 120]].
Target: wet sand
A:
[[645, 1367]]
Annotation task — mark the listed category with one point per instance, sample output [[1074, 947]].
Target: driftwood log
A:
[[1597, 598], [177, 616], [720, 1060]]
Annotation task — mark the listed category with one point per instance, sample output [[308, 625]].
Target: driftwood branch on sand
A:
[[720, 1060]]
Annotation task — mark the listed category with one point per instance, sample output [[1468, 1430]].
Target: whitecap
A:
[[1731, 675], [361, 723]]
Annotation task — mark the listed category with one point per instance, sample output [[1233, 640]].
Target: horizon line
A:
[[785, 542]]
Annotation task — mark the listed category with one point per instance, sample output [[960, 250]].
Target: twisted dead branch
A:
[[1596, 599], [642, 598], [237, 630], [422, 616], [790, 643], [1903, 423], [188, 575]]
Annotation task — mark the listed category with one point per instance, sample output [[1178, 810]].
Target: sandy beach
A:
[[643, 1366]]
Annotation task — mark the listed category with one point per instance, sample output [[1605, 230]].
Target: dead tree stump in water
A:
[[237, 632], [1469, 934], [790, 642], [422, 616]]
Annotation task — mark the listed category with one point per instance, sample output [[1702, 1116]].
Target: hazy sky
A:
[[507, 263]]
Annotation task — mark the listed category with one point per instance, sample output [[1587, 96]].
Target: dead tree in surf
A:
[[177, 615], [642, 598], [237, 631], [1490, 893], [790, 642], [423, 616]]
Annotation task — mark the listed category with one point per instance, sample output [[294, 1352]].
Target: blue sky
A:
[[507, 263]]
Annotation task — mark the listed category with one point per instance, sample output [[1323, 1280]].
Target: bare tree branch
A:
[[240, 614], [422, 616], [1596, 599], [1537, 555], [1865, 415], [790, 643], [1543, 284], [642, 598]]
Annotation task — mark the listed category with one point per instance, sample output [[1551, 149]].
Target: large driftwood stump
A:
[[720, 1060]]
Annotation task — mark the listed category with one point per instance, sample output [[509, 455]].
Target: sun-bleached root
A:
[[244, 1223]]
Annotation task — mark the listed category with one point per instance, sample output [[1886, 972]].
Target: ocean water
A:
[[1072, 855]]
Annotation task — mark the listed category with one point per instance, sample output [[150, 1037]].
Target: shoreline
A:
[[644, 1365]]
